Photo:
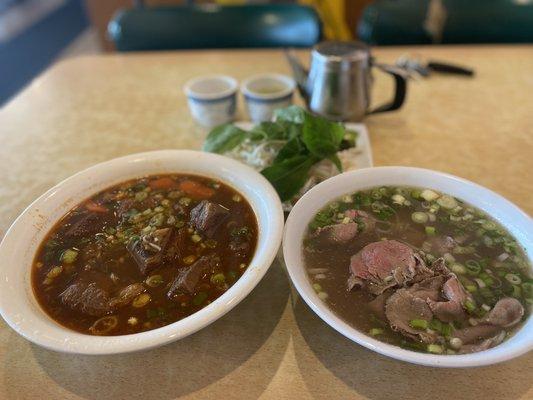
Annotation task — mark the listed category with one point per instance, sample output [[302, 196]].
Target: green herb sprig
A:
[[309, 139]]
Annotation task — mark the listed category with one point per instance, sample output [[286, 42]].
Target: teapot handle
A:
[[400, 84]]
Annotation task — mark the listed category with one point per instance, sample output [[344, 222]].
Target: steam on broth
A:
[[419, 269]]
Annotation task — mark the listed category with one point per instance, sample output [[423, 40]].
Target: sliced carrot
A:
[[94, 207], [196, 190], [163, 183]]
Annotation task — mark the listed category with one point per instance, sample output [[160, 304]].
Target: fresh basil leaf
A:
[[224, 138], [293, 114], [269, 131], [322, 137], [288, 176], [293, 147], [334, 158]]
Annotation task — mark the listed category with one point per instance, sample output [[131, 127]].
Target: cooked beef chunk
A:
[[428, 289], [451, 310], [88, 294], [206, 217], [149, 251], [506, 313], [403, 307], [126, 295], [123, 207], [385, 264], [484, 345], [338, 233], [174, 248], [88, 223], [473, 334], [187, 280]]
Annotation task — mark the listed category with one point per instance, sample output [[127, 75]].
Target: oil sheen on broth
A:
[[419, 269], [144, 254]]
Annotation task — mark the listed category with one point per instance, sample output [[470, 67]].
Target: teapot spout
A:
[[299, 73]]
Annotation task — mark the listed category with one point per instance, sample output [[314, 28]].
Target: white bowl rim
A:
[[521, 342], [62, 339], [289, 83]]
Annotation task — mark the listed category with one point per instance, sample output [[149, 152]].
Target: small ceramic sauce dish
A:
[[266, 92], [212, 99]]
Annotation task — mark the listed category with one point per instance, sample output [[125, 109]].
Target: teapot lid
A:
[[337, 51]]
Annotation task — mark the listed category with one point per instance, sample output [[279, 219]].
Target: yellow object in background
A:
[[333, 16]]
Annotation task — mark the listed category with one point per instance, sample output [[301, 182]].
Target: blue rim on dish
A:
[[273, 100]]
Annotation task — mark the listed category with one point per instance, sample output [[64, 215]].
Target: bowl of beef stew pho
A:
[[416, 265], [138, 251]]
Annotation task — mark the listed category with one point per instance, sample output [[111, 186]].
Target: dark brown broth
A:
[[117, 261]]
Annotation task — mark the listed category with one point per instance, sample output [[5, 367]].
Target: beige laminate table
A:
[[271, 346]]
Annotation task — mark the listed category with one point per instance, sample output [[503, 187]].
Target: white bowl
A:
[[516, 221], [18, 305]]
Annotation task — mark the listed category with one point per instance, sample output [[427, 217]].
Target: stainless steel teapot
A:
[[339, 82]]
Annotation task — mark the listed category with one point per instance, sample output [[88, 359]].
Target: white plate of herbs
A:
[[295, 151]]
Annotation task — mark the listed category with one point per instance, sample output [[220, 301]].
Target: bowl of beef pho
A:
[[417, 265], [138, 251]]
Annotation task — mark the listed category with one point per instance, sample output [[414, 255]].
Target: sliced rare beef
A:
[[506, 313], [453, 308], [386, 264], [88, 294], [207, 216], [87, 223], [484, 344], [149, 251], [356, 222], [338, 233], [187, 280], [377, 306], [474, 334], [490, 332], [403, 307]]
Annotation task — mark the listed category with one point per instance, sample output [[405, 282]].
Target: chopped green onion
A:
[[418, 324], [154, 280], [517, 291], [489, 225], [473, 267], [435, 348], [447, 202], [435, 325], [196, 238], [376, 331], [218, 279], [470, 306], [69, 256], [317, 287], [513, 279], [419, 217], [471, 288], [458, 268], [527, 289], [447, 330], [429, 195], [199, 298], [430, 230]]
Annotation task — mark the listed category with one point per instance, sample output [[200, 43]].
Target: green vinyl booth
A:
[[214, 26], [401, 22]]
